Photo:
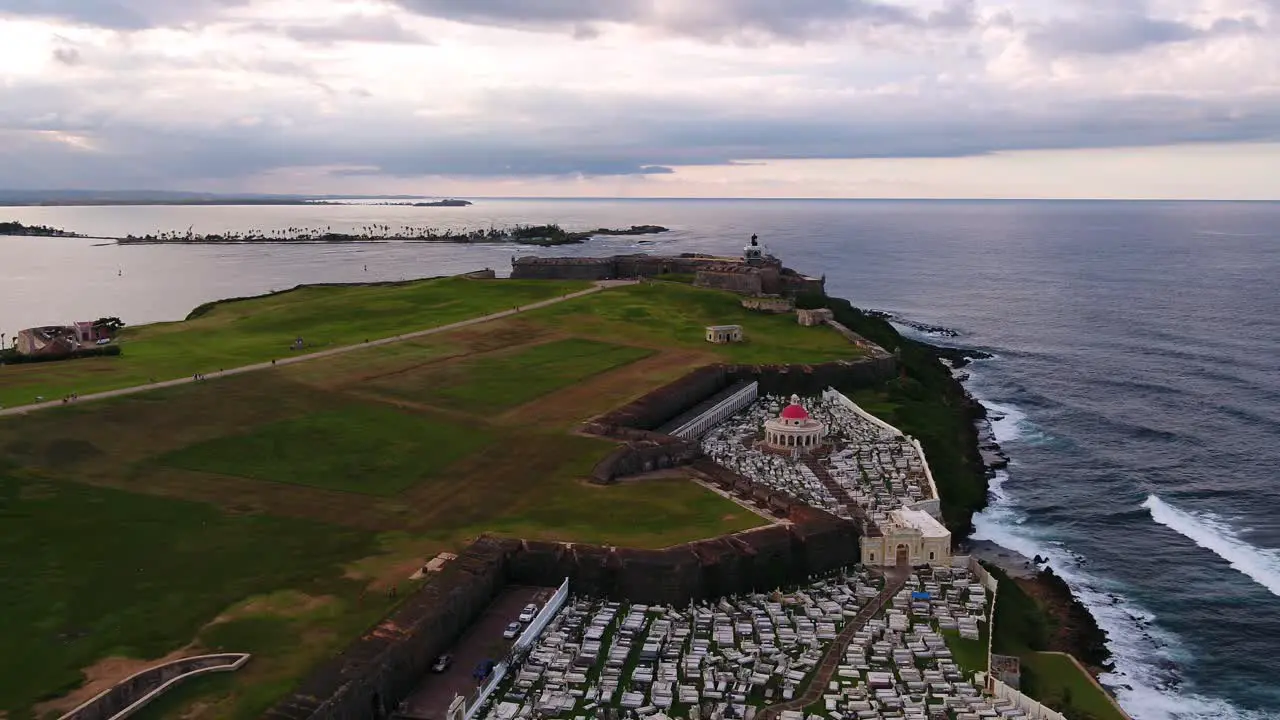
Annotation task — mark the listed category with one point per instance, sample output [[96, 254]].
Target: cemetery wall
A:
[[756, 560], [811, 542], [382, 667]]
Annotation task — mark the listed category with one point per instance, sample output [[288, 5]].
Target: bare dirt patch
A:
[[286, 603], [103, 675]]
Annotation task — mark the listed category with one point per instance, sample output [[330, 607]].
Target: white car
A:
[[529, 613], [513, 629]]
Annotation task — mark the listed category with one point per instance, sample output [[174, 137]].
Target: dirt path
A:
[[601, 285], [894, 581]]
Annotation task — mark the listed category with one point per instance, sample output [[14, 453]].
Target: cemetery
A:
[[739, 656], [865, 469]]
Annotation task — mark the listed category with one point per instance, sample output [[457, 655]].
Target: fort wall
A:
[[732, 274], [381, 668]]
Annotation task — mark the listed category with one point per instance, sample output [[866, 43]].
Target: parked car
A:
[[442, 663], [529, 613], [513, 629]]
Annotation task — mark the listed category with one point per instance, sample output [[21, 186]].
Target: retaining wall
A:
[[135, 692], [377, 671]]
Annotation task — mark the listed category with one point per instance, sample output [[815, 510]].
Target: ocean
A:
[[1136, 371]]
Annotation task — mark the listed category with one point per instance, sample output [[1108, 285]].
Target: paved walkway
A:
[[895, 580], [24, 409]]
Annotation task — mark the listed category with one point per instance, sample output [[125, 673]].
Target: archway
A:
[[903, 558]]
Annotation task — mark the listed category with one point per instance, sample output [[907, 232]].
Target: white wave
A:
[[1212, 533], [1145, 657], [1008, 423]]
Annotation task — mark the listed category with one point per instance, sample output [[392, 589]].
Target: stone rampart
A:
[[742, 282], [377, 671], [769, 304], [755, 560], [133, 693], [813, 379], [646, 450], [767, 276]]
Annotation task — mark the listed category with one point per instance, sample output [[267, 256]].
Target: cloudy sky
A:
[[755, 98]]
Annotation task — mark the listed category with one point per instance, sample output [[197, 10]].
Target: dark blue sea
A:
[[1136, 369]]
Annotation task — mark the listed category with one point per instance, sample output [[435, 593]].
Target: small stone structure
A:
[[769, 303], [910, 537], [722, 334], [813, 318], [794, 430]]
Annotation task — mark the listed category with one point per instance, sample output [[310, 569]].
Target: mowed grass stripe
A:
[[367, 449], [490, 384], [243, 332]]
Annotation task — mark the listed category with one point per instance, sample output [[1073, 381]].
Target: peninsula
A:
[[17, 228], [444, 203], [516, 234], [602, 484]]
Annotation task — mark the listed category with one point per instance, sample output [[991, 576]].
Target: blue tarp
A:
[[920, 596]]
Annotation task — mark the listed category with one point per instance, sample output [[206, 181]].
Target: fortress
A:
[[383, 666], [753, 274]]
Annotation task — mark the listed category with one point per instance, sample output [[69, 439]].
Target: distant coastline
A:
[[545, 235], [20, 230]]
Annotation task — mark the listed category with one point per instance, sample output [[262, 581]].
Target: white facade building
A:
[[910, 537], [720, 334]]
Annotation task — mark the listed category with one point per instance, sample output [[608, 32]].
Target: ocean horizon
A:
[[1133, 376]]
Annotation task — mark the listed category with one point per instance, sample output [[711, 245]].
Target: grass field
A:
[[1058, 682], [285, 502], [674, 315], [89, 572], [254, 330], [359, 448], [494, 383]]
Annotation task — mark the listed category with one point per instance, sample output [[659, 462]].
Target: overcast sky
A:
[[721, 98]]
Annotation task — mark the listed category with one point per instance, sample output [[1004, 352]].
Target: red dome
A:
[[795, 412]]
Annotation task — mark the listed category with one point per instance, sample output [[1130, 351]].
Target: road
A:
[[35, 407]]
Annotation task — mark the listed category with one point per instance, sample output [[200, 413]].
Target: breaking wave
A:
[[1212, 533], [1145, 678]]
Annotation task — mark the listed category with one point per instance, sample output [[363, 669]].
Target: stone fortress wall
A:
[[765, 277]]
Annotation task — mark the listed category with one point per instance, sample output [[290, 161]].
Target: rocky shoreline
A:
[[1073, 629]]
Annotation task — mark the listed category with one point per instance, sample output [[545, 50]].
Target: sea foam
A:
[[1212, 533], [1145, 656]]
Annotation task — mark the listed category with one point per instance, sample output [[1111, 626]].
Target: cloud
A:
[[119, 14], [1112, 33], [67, 55], [718, 19], [649, 87], [350, 28]]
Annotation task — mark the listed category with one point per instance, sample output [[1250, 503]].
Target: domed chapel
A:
[[794, 429]]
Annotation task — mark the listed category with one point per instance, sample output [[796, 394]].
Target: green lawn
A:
[[646, 513], [970, 655], [243, 332], [362, 448], [1055, 680], [676, 315], [493, 383], [88, 572]]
